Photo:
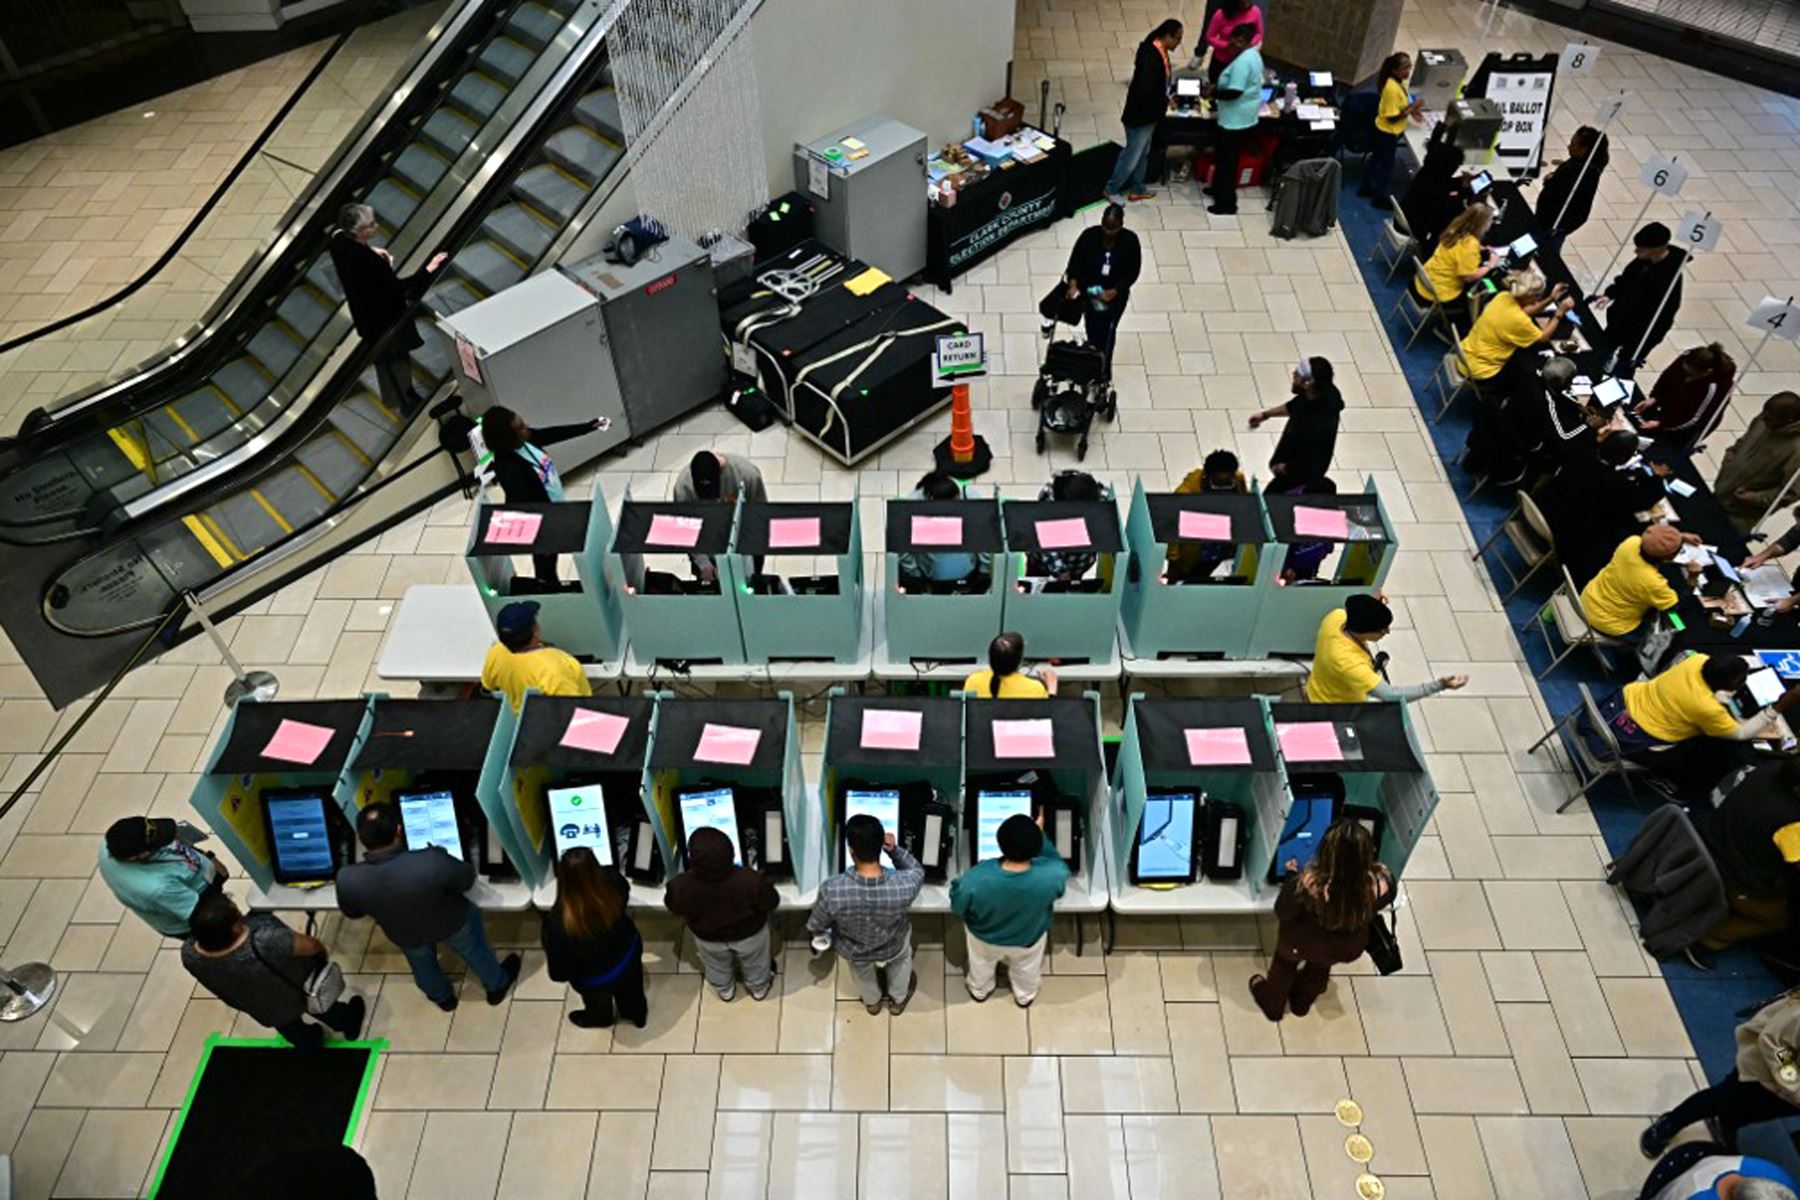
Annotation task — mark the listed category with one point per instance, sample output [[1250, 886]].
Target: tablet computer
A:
[[300, 843], [430, 820], [711, 808], [1187, 89], [1480, 183], [992, 808], [882, 804], [578, 818], [1522, 247], [1167, 849]]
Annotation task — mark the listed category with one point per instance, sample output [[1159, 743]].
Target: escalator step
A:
[[564, 7], [421, 166], [600, 111], [431, 362], [204, 414], [520, 230], [323, 276], [392, 202], [451, 296], [579, 151], [487, 266], [274, 349], [551, 191], [506, 59], [534, 24], [304, 311], [334, 464], [240, 380], [449, 130], [478, 96], [367, 426], [247, 526]]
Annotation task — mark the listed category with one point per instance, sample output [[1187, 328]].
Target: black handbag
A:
[[1058, 306], [1384, 946]]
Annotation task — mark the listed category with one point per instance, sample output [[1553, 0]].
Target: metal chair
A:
[[1452, 380], [1527, 530], [1418, 314], [1396, 243], [1590, 769], [1564, 610]]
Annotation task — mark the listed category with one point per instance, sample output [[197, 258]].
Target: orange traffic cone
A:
[[964, 453]]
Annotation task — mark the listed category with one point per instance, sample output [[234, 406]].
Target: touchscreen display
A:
[[430, 820], [884, 806], [300, 839], [716, 809], [991, 810], [578, 818], [1165, 849]]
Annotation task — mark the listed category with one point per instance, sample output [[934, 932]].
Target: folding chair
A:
[[1419, 314], [1452, 380], [1564, 610], [1396, 243], [1526, 529], [1590, 769]]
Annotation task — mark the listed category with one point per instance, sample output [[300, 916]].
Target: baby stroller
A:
[[1071, 387]]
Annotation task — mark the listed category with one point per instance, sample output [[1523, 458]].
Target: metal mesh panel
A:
[[1771, 24]]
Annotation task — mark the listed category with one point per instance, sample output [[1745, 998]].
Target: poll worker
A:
[[1003, 680], [1633, 582], [1677, 723], [1779, 547], [1546, 420], [1762, 1086], [1566, 198], [1237, 100], [1394, 107], [1006, 905], [1527, 313], [727, 909], [156, 873], [1598, 498], [381, 300], [1642, 302], [1435, 196], [592, 944], [1146, 100], [1066, 565], [419, 899], [259, 967], [522, 469], [1755, 469], [715, 475], [1220, 23], [1687, 397], [1707, 1171], [1323, 914], [925, 567], [521, 662], [1754, 837], [1104, 263], [1313, 409], [1219, 472], [1459, 260], [1346, 669], [864, 912]]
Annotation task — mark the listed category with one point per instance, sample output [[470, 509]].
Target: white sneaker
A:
[[729, 994]]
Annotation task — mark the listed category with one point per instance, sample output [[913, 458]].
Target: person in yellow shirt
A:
[[1525, 314], [1632, 583], [1003, 679], [1197, 560], [1345, 667], [1393, 109], [1459, 260], [520, 661], [1677, 722]]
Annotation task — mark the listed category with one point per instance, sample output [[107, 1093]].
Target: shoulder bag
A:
[[1384, 946], [322, 988]]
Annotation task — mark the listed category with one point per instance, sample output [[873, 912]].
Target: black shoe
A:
[[1216, 211], [447, 1005], [510, 964], [353, 1023], [899, 1006], [584, 1019], [1654, 1140]]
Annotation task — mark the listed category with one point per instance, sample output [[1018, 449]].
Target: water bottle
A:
[[1292, 96]]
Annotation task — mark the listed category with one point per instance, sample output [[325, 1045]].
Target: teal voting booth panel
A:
[[1191, 598], [789, 615], [562, 750], [1222, 751], [669, 616], [1374, 751], [931, 619], [753, 748], [278, 744], [1342, 564], [1063, 613], [586, 621], [898, 742]]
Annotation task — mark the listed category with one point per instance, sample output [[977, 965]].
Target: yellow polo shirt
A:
[[1626, 588], [1447, 266], [1502, 328], [1390, 114], [1012, 687], [1678, 705], [546, 669], [1342, 671]]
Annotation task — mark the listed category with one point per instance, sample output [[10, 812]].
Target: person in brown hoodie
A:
[[727, 909], [1758, 465]]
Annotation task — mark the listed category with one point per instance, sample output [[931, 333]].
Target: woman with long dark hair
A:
[[592, 944], [1324, 911], [1003, 680]]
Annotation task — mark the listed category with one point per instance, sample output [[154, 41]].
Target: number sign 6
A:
[[1664, 175]]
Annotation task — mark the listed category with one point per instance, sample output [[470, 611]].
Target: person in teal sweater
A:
[[1006, 905]]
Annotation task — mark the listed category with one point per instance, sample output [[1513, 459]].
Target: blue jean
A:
[[470, 944], [1133, 163], [1380, 171]]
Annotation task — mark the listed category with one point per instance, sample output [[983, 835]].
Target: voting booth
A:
[[277, 792], [576, 774], [1359, 760], [671, 613], [942, 598], [1038, 756], [734, 765], [899, 758], [805, 615], [582, 616], [1197, 807], [1063, 613], [1332, 547], [1200, 566]]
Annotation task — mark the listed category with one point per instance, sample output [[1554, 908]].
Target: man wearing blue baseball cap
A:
[[521, 662]]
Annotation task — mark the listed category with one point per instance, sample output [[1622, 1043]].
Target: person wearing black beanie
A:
[[1637, 318], [1345, 667]]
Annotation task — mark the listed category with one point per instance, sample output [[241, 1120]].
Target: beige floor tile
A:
[[1606, 1151], [1247, 1031], [1619, 1086], [1333, 1026], [808, 1010], [390, 1144], [976, 1144], [1259, 1157], [460, 1156], [813, 1155], [112, 1154], [1034, 1117], [1530, 1154], [860, 1065], [740, 1162], [203, 1018], [1452, 915], [1468, 1003], [674, 1019], [1611, 944], [526, 1051], [90, 1012], [994, 1026], [1513, 975], [740, 1027], [1170, 1158], [620, 1163], [624, 1082], [946, 1083], [22, 1075], [1531, 915], [1097, 1163], [1187, 976], [903, 1157], [1202, 1070], [100, 1081], [1038, 1187], [1459, 1168], [1288, 1085], [1401, 1015], [1542, 1058], [1379, 1085], [435, 1081], [1580, 1005], [677, 1185], [43, 1149], [1464, 1085], [684, 1114], [1070, 1016], [545, 1157], [775, 1081], [409, 1022], [1118, 1085], [921, 1028], [1645, 1016]]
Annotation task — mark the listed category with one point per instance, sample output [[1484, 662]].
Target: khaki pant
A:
[[1024, 967]]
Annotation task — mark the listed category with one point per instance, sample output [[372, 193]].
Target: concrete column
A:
[[1349, 38]]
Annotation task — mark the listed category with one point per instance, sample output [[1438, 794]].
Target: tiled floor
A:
[[1513, 1058]]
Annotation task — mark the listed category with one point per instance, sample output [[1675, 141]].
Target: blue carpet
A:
[[1707, 1001]]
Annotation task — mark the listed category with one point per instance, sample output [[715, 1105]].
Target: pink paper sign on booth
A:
[[595, 732], [937, 531], [727, 744], [297, 742], [668, 529], [793, 533], [891, 729], [1321, 522], [1218, 747], [1063, 533], [1204, 527], [1309, 741], [513, 528], [1024, 739]]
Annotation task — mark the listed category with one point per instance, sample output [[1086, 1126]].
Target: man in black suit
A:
[[380, 299]]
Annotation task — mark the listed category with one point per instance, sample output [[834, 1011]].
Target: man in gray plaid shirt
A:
[[866, 909]]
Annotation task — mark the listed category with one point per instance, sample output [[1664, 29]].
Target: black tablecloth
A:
[[989, 214], [1295, 140]]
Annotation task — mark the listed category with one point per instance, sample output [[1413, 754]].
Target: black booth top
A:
[[1076, 740], [636, 518], [1378, 727], [681, 724], [980, 525], [1244, 511], [443, 735], [545, 721], [253, 724], [1162, 727], [1100, 518], [1362, 513], [753, 535], [940, 731], [562, 529]]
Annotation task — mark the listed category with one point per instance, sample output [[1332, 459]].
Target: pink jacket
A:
[[1218, 32]]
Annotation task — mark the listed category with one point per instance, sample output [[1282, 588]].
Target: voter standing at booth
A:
[[521, 662], [1146, 100], [1003, 680], [1324, 913], [1346, 669], [1238, 99], [715, 475], [522, 469], [864, 911], [941, 566], [727, 909], [259, 967], [1006, 905], [592, 944], [1103, 265], [151, 870]]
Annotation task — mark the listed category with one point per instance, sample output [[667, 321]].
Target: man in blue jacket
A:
[[1146, 100]]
